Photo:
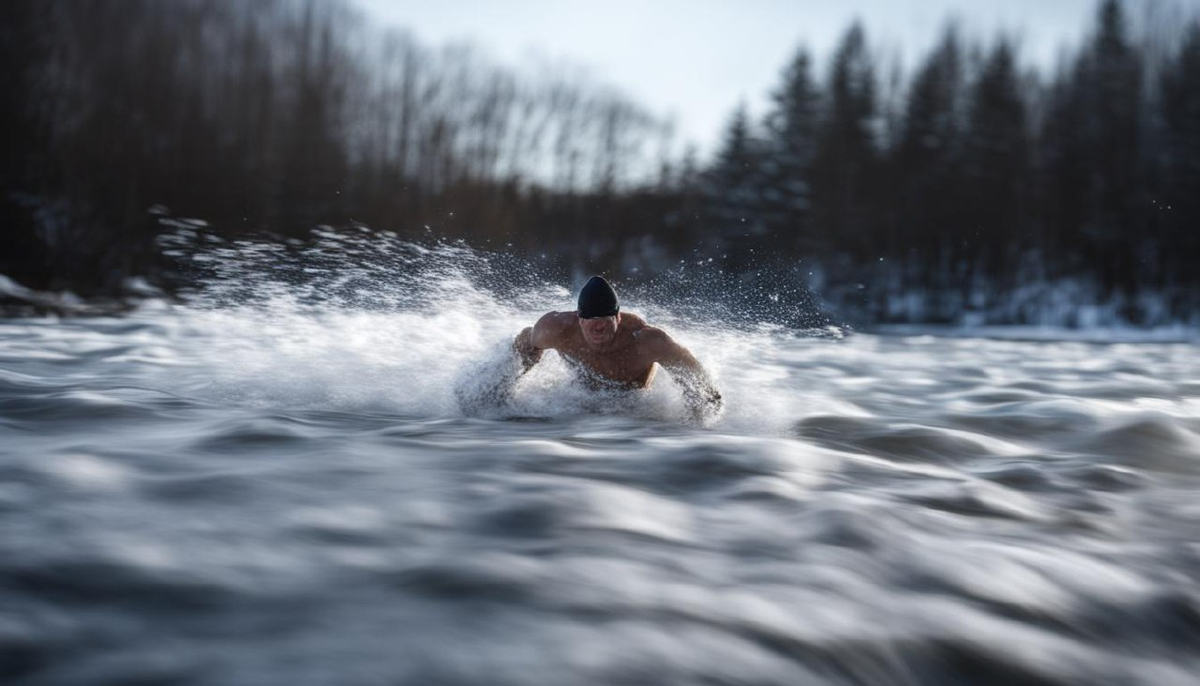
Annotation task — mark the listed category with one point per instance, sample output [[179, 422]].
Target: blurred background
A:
[[972, 168]]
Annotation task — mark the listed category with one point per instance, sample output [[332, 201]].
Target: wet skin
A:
[[621, 349]]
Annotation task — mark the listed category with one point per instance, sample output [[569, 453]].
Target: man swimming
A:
[[617, 348]]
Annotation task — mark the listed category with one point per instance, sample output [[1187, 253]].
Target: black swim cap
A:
[[597, 299]]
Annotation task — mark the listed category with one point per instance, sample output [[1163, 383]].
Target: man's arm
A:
[[700, 394], [529, 353], [491, 385], [534, 340]]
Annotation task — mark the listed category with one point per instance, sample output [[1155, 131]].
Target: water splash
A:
[[358, 321]]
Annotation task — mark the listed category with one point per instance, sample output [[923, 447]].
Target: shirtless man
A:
[[620, 348]]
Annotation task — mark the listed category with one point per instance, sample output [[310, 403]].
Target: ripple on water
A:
[[1029, 421], [554, 509], [248, 434], [1152, 442], [209, 487], [1104, 477], [81, 406], [81, 472], [977, 498], [905, 442], [1020, 475], [94, 579], [533, 511], [846, 523], [709, 465], [492, 576], [957, 512]]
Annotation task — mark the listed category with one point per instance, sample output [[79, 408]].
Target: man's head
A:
[[599, 311]]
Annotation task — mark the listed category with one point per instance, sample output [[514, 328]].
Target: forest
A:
[[971, 188]]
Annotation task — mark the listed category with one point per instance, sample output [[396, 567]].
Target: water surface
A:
[[225, 493]]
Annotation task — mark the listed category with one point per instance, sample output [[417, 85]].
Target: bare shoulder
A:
[[663, 349], [634, 322], [653, 339], [556, 320], [552, 328]]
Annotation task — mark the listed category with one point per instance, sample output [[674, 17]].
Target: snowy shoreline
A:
[[1017, 332]]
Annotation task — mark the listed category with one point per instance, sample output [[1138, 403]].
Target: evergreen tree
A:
[[24, 173], [1091, 158], [1180, 205], [928, 159], [844, 171], [1115, 103], [734, 190], [1064, 160], [791, 147], [997, 166]]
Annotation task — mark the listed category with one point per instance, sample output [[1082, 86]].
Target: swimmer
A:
[[617, 347]]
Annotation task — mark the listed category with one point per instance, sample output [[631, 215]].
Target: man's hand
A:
[[700, 394], [526, 350], [546, 334]]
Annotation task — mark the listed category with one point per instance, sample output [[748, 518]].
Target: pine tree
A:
[[929, 157], [1115, 105], [997, 166], [1180, 207], [790, 150], [844, 171], [1090, 147], [733, 190], [24, 172]]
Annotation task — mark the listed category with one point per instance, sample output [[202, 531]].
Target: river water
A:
[[260, 489]]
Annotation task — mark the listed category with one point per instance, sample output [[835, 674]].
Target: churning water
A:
[[274, 483]]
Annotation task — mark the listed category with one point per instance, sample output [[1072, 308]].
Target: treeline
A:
[[973, 189], [986, 192], [281, 115]]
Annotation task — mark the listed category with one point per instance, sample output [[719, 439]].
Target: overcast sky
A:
[[695, 60]]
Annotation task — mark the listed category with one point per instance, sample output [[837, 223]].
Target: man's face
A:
[[599, 331]]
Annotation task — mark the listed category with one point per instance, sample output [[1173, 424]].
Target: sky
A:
[[695, 60]]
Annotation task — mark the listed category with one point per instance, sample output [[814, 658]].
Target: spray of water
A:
[[366, 322]]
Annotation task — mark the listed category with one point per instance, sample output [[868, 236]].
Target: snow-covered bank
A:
[[887, 297], [1104, 334]]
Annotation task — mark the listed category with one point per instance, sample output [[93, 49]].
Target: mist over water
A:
[[273, 482]]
